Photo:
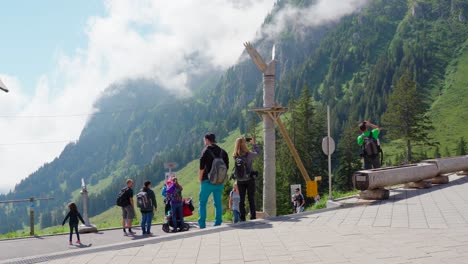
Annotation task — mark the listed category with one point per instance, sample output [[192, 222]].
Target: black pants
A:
[[371, 162], [249, 188], [76, 230]]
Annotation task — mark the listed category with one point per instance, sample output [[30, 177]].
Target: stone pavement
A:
[[40, 245], [413, 226]]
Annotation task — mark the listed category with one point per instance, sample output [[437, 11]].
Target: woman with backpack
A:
[[174, 195], [244, 174], [146, 201]]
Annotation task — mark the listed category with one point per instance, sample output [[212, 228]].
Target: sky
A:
[[57, 57]]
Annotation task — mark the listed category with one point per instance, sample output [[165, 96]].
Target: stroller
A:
[[186, 211]]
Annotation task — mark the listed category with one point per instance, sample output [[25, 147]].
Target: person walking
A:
[[174, 194], [148, 206], [245, 175], [369, 140], [125, 200], [73, 215], [208, 156], [234, 200]]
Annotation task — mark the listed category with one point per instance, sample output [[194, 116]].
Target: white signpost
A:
[[328, 147], [170, 166]]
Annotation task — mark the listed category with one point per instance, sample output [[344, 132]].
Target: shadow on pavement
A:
[[252, 225], [83, 246]]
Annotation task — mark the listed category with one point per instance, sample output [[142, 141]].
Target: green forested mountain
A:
[[352, 65]]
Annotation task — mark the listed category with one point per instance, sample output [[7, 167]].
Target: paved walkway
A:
[[413, 226], [15, 248]]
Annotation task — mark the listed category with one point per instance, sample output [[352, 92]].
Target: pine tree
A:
[[405, 116], [350, 162], [447, 152], [437, 153], [306, 127], [461, 147]]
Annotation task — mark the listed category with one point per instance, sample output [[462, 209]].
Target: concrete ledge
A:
[[333, 204]]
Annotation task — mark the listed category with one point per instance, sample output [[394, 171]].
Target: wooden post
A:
[[31, 216], [293, 150]]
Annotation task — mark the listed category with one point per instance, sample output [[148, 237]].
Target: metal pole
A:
[[329, 156]]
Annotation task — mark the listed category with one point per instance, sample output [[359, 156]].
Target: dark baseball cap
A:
[[211, 137]]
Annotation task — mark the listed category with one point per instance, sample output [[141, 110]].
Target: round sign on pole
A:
[[325, 145]]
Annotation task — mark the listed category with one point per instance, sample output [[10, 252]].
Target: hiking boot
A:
[[125, 233]]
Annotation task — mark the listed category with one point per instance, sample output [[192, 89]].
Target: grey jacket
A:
[[251, 156]]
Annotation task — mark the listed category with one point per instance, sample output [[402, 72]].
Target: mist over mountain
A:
[[347, 54]]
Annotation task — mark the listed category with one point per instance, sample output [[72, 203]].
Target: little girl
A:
[[74, 215], [234, 200]]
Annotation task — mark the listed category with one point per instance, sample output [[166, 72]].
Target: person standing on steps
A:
[[125, 200], [245, 175], [210, 154], [74, 215], [369, 140]]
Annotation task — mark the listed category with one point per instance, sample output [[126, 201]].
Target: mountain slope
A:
[[351, 65]]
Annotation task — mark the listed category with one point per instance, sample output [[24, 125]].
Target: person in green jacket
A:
[[369, 140]]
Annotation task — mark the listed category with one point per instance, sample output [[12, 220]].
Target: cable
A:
[[68, 115], [80, 115], [36, 143]]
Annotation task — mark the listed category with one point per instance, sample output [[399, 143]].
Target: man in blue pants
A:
[[210, 151]]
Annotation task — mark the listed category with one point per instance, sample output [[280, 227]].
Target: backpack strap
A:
[[213, 155]]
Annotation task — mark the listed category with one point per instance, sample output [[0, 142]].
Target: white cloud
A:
[[148, 38], [324, 11], [163, 40]]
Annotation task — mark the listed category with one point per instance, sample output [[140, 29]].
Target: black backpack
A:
[[370, 146], [143, 202], [241, 170], [122, 199]]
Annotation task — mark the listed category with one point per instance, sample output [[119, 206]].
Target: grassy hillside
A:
[[188, 178], [449, 111]]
